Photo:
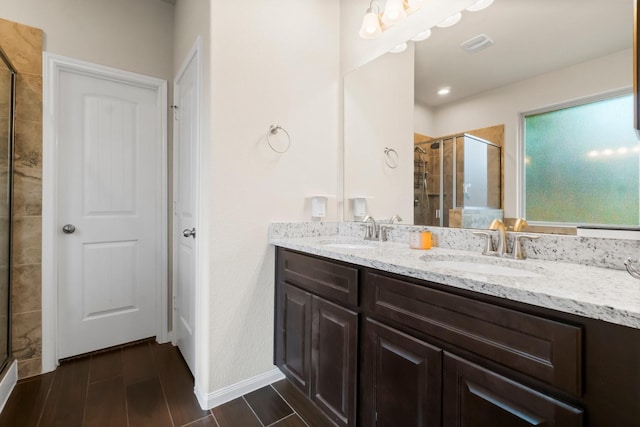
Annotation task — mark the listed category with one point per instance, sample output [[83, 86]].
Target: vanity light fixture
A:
[[413, 4], [393, 12], [450, 21], [480, 5], [376, 20], [400, 48], [444, 91], [421, 36], [371, 22]]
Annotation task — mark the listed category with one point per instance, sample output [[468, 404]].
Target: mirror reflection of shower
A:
[[457, 182], [420, 176], [426, 161]]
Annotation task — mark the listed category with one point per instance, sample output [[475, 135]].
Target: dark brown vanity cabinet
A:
[[415, 353], [316, 340], [408, 382], [477, 397], [401, 379]]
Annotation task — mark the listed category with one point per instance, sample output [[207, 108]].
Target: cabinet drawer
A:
[[323, 278], [544, 349], [474, 396]]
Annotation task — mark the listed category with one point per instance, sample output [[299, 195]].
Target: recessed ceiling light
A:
[[444, 91], [450, 21], [400, 48], [479, 5], [422, 36]]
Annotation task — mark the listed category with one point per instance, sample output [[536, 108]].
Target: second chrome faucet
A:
[[374, 231], [502, 249]]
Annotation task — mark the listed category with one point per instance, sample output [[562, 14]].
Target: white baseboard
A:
[[8, 383], [226, 394]]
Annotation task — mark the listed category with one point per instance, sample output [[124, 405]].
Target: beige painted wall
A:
[[424, 119], [133, 35], [370, 126], [271, 63]]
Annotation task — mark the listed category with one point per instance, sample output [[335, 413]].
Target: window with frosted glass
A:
[[581, 164]]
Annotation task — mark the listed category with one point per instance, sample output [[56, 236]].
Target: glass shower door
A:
[[7, 95]]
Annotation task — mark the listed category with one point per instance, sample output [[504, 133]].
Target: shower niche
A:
[[457, 182]]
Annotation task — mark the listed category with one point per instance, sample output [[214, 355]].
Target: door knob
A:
[[69, 229], [189, 233]]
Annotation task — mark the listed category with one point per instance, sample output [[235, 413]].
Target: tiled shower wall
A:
[[23, 46]]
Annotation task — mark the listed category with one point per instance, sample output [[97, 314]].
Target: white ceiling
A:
[[531, 37]]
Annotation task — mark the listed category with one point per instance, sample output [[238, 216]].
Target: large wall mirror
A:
[[7, 101], [544, 54]]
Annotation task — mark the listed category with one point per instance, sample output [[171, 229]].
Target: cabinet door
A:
[[293, 335], [476, 397], [402, 379], [334, 356]]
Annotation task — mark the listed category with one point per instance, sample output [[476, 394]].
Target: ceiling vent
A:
[[477, 43]]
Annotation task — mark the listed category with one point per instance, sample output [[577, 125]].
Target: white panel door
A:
[[109, 196], [185, 196]]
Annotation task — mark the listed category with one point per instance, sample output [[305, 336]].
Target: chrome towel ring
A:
[[391, 157], [273, 130]]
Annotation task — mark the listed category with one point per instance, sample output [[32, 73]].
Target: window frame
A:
[[521, 150]]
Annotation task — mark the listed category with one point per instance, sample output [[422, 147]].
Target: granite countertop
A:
[[599, 293]]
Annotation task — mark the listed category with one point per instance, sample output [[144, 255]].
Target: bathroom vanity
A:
[[384, 339]]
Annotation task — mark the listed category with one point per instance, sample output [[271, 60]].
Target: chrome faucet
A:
[[395, 218], [517, 251], [371, 232], [502, 251], [496, 224]]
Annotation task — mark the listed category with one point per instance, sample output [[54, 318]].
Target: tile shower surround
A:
[[23, 46]]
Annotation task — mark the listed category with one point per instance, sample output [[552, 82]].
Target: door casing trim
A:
[[52, 65]]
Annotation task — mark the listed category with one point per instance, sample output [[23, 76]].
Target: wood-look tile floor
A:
[[145, 384]]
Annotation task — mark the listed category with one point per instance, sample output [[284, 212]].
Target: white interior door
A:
[[110, 160], [186, 114]]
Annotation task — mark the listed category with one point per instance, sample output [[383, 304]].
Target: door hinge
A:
[[176, 116]]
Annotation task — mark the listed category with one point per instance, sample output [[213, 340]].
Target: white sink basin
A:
[[482, 268], [349, 246]]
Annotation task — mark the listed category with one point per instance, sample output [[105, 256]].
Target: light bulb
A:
[[479, 5], [421, 36], [370, 25], [444, 91], [393, 12], [450, 21]]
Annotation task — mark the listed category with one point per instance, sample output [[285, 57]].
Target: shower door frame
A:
[[10, 165]]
